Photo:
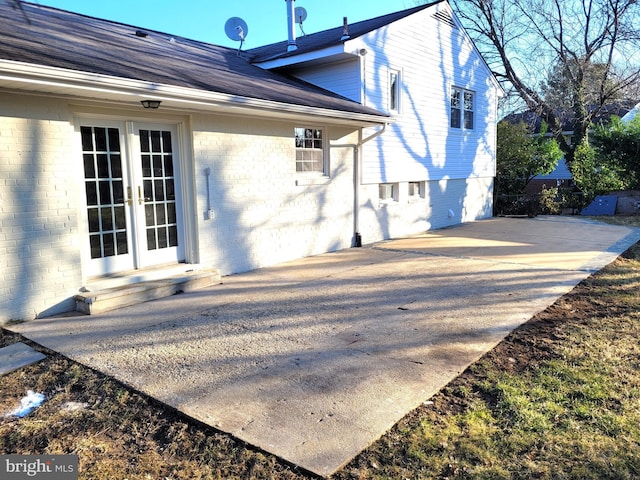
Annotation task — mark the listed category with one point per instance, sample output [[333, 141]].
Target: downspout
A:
[[357, 149]]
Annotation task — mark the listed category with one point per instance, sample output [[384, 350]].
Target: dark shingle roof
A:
[[331, 37], [57, 38], [534, 121]]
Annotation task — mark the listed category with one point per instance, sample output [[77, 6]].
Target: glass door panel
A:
[[133, 209], [106, 205], [159, 179]]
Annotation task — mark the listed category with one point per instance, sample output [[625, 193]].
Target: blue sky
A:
[[204, 19]]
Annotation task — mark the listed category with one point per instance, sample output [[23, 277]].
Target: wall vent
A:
[[445, 17]]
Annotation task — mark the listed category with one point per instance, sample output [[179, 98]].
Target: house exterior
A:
[[434, 165], [251, 159]]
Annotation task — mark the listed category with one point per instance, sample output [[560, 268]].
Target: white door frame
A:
[[144, 188], [185, 199]]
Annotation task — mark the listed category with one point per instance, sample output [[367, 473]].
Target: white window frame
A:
[[387, 193], [395, 90], [313, 149], [462, 101], [419, 195]]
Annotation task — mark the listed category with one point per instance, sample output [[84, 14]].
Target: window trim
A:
[[421, 191], [393, 198], [394, 91], [324, 171], [461, 108]]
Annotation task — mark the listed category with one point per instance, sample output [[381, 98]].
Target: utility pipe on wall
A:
[[357, 150]]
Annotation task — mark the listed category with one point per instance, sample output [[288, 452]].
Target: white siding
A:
[[432, 57], [455, 166], [342, 78], [264, 212]]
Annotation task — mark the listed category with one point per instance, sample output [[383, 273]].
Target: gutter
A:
[[59, 81], [357, 153]]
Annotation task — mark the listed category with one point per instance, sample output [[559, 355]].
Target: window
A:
[[387, 192], [416, 190], [309, 150], [461, 108], [468, 110], [394, 91]]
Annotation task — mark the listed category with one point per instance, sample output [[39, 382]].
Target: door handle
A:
[[140, 198], [129, 198]]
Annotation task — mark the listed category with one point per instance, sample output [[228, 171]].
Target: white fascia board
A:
[[63, 82], [313, 56]]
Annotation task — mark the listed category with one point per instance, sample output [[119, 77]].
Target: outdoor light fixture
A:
[[153, 104]]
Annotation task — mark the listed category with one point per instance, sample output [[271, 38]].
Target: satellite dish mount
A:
[[237, 30], [300, 16]]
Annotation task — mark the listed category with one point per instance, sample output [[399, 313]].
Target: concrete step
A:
[[104, 300]]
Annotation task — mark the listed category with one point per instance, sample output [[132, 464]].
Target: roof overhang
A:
[[59, 82], [315, 57]]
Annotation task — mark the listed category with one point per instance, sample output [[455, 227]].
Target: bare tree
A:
[[593, 45]]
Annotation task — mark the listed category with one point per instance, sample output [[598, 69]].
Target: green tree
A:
[[521, 156], [618, 146], [593, 174]]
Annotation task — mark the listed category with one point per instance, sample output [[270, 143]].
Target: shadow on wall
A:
[[40, 227], [262, 217], [242, 236], [467, 154]]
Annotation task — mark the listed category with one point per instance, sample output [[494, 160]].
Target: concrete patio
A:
[[315, 359]]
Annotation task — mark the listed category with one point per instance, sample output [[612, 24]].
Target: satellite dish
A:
[[236, 29], [301, 15]]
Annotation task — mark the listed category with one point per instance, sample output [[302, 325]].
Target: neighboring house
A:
[[561, 176], [388, 132], [631, 114]]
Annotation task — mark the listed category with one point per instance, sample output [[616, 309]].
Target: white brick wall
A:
[[39, 253], [457, 167], [262, 217], [266, 212]]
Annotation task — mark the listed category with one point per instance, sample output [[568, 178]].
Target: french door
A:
[[132, 193]]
